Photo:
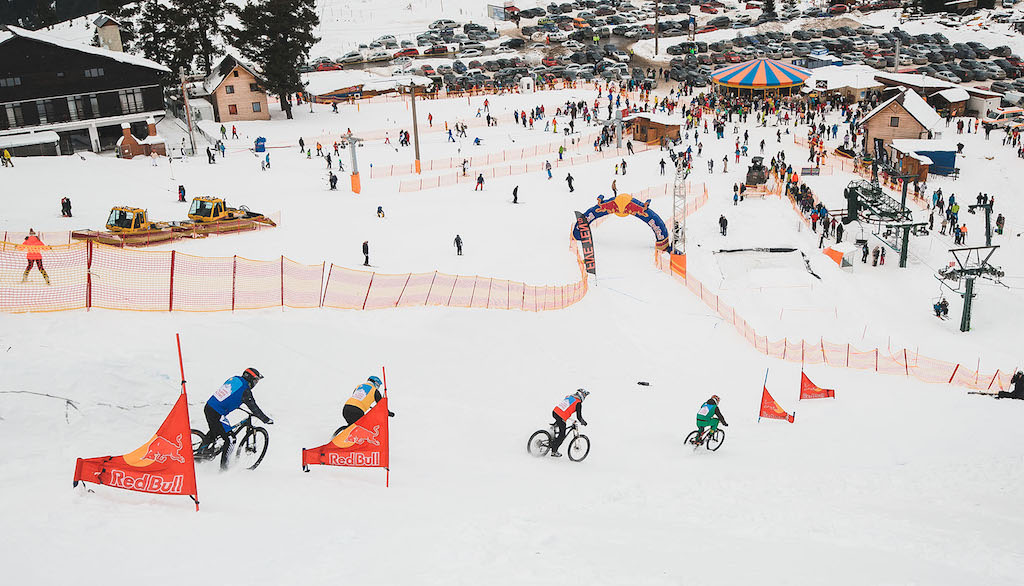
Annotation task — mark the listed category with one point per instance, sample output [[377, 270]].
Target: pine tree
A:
[[181, 33], [277, 35], [769, 6]]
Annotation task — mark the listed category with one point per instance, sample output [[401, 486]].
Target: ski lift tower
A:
[[970, 266], [353, 142], [680, 193]]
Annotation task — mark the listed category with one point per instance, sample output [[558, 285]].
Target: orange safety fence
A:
[[482, 160], [509, 170], [84, 275]]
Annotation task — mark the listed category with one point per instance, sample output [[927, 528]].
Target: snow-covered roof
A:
[[906, 145], [103, 19], [225, 66], [17, 140], [914, 104], [914, 79], [954, 94], [656, 117], [852, 76], [325, 82], [99, 51]]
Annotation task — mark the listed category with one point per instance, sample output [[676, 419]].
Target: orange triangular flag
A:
[[772, 410]]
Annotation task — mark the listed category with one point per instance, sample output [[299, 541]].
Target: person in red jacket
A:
[[571, 405], [34, 245]]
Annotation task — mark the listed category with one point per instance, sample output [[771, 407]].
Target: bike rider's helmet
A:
[[252, 376], [714, 399], [376, 381], [582, 393]]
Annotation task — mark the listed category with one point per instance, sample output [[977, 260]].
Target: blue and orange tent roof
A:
[[761, 74]]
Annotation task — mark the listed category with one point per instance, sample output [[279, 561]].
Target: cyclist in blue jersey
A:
[[231, 395]]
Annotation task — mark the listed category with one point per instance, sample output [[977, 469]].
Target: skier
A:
[[709, 415], [573, 404], [363, 398], [33, 245], [230, 396], [723, 224], [366, 253], [569, 179], [1018, 387]]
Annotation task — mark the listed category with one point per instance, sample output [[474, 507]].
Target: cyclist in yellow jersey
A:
[[363, 398]]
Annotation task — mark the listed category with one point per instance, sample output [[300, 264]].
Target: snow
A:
[[656, 117], [893, 482], [955, 94], [922, 144], [84, 48]]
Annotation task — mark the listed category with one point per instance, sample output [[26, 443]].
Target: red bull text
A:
[[146, 482]]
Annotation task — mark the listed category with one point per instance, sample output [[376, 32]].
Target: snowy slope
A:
[[894, 482]]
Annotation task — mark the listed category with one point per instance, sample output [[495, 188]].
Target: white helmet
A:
[[582, 393]]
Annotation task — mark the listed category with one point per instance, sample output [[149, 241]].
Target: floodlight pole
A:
[[657, 32], [415, 126]]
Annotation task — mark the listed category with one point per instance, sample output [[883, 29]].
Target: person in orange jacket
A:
[[34, 245]]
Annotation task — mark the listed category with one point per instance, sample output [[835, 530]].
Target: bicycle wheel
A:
[[202, 453], [198, 438], [579, 447], [691, 440], [539, 444], [252, 448], [715, 440]]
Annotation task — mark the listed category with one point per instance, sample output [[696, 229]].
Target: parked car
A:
[[410, 52]]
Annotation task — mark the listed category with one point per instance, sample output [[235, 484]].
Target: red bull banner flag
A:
[[809, 390], [772, 410], [586, 239], [364, 444], [162, 465]]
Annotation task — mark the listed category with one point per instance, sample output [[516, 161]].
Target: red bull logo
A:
[[354, 459], [146, 482], [359, 435], [609, 206], [161, 449], [635, 208]]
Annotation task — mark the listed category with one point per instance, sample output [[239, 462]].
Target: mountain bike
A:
[[249, 450], [711, 440], [540, 442]]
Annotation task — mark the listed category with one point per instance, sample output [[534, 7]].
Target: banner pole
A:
[[181, 368]]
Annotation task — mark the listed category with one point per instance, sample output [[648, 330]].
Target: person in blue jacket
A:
[[235, 391]]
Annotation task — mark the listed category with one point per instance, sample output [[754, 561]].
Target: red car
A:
[[733, 57], [410, 52], [436, 50], [548, 62], [705, 29], [708, 8], [838, 9], [427, 70], [328, 67]]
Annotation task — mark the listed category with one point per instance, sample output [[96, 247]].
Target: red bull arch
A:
[[626, 205]]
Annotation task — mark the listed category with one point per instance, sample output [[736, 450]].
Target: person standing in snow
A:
[[515, 194], [458, 245], [7, 159], [209, 157], [615, 188], [33, 247], [380, 212], [623, 166], [302, 145], [547, 167], [662, 164], [332, 180], [479, 182], [65, 207], [723, 224], [366, 253], [569, 179]]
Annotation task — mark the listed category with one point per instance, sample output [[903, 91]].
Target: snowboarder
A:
[[569, 179], [366, 253], [547, 167], [458, 245], [33, 245], [723, 224], [65, 207]]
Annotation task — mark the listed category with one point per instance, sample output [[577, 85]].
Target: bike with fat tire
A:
[[711, 440], [249, 450], [541, 440]]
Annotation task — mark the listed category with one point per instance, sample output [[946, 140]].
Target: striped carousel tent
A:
[[761, 75]]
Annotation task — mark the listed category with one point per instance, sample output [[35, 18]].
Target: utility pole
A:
[[354, 141], [657, 31], [188, 111], [896, 64], [415, 126]]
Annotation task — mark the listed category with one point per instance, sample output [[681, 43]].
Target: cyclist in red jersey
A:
[[571, 405]]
